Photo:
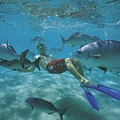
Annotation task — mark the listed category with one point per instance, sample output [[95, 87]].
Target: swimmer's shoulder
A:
[[37, 56]]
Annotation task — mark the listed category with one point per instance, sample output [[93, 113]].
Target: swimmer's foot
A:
[[104, 89], [84, 82], [90, 98], [107, 90]]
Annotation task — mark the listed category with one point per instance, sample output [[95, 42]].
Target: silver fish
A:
[[7, 52], [37, 40], [78, 39], [16, 65], [45, 106], [54, 50], [103, 54]]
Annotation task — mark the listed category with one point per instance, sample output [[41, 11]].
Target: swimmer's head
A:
[[41, 48]]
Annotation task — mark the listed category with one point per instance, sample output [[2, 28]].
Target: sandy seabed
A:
[[62, 90]]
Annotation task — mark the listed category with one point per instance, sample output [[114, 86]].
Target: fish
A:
[[86, 68], [44, 106], [103, 54], [54, 50], [16, 65], [7, 52], [78, 39], [111, 1], [37, 40], [30, 55]]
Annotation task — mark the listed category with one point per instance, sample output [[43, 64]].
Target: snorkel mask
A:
[[41, 48]]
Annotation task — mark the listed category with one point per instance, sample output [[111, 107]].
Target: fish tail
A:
[[63, 41], [62, 112], [23, 56], [36, 63], [89, 69]]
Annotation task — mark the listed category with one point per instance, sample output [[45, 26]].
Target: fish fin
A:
[[91, 98], [63, 41], [81, 46], [71, 45], [10, 47], [50, 113], [11, 62], [97, 56], [32, 107], [36, 62], [7, 43], [107, 90], [103, 68], [13, 49], [23, 56], [14, 69], [1, 59], [62, 112], [89, 69], [22, 63]]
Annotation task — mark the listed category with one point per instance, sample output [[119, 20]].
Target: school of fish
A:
[[93, 52]]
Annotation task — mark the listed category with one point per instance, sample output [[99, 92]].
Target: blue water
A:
[[20, 21]]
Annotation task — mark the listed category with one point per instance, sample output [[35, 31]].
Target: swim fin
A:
[[90, 98], [107, 90]]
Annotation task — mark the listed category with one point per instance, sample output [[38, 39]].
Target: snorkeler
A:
[[74, 67], [60, 65]]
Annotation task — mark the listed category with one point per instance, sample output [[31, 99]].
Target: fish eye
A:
[[78, 52]]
